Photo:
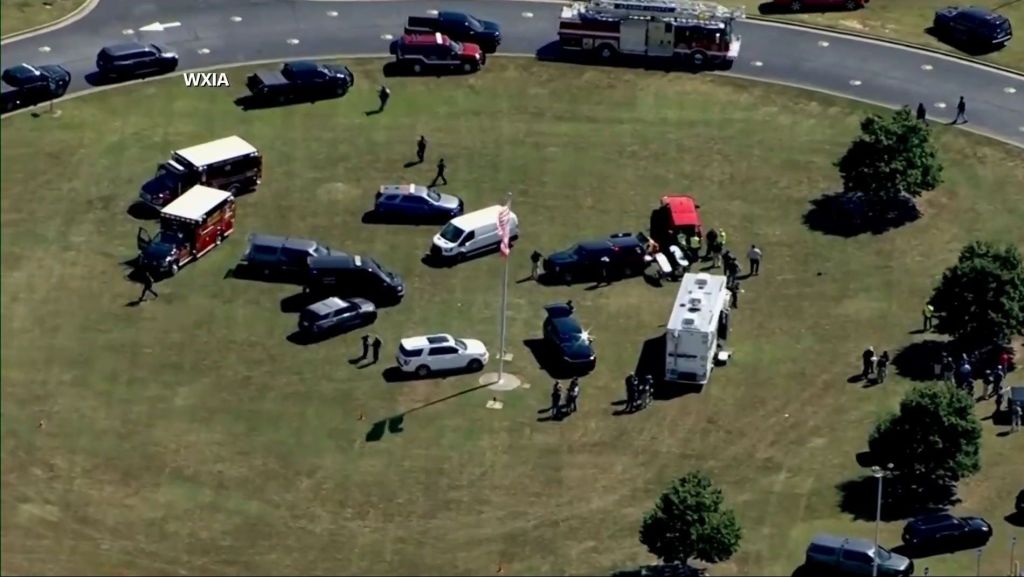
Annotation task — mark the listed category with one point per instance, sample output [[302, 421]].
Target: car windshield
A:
[[461, 344], [171, 237], [167, 172], [433, 195], [321, 250], [884, 554], [474, 24], [455, 46], [580, 250], [452, 233], [382, 270]]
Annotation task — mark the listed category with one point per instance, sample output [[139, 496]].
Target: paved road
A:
[[229, 31]]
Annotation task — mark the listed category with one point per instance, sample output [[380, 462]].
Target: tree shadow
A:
[[917, 360], [553, 52], [859, 499], [847, 215], [662, 570], [142, 211], [548, 360], [969, 48], [395, 424]]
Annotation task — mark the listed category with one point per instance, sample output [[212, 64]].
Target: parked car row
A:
[[448, 42]]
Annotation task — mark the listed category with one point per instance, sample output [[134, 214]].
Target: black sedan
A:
[[566, 336], [945, 532], [619, 255]]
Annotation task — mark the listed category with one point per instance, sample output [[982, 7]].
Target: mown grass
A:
[[20, 15], [187, 435]]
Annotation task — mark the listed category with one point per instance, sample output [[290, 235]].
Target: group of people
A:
[[563, 408], [877, 365], [638, 392], [961, 375]]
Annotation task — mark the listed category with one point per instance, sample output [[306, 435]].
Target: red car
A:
[[803, 5], [436, 52], [677, 215]]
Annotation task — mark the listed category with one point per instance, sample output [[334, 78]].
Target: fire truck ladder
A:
[[700, 10]]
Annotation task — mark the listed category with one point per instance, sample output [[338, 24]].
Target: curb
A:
[[95, 89], [75, 14], [883, 39]]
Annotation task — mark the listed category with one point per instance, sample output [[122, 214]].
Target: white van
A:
[[472, 233]]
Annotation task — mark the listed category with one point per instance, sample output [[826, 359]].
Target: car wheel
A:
[[460, 257], [234, 189], [474, 365], [605, 52], [796, 5], [175, 267], [467, 67], [567, 278], [423, 370], [417, 68], [698, 58]]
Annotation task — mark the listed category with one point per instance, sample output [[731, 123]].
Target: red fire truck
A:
[[698, 32], [191, 226]]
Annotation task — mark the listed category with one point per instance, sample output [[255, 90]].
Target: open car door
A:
[[143, 239]]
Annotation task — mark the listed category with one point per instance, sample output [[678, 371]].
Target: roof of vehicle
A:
[[424, 39], [417, 189], [700, 298], [683, 210], [195, 203], [301, 65], [980, 14], [125, 48], [19, 73], [216, 151], [413, 343], [826, 540], [477, 218], [558, 310], [327, 305], [342, 260], [287, 242], [927, 521]]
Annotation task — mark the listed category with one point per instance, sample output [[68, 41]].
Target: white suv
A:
[[424, 355]]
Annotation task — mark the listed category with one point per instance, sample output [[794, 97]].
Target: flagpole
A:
[[504, 306]]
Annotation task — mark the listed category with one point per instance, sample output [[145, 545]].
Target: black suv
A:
[[353, 276], [972, 27], [281, 258], [622, 255], [27, 85], [135, 59], [945, 532]]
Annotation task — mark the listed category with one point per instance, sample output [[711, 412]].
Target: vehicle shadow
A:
[[846, 215], [249, 102], [396, 70], [374, 217], [1015, 519], [298, 301], [95, 79], [142, 211], [772, 9], [245, 273], [394, 374], [305, 339], [553, 52], [547, 360], [395, 424], [440, 263], [965, 47]]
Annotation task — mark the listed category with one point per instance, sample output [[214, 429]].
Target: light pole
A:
[[978, 573], [878, 474], [1013, 545]]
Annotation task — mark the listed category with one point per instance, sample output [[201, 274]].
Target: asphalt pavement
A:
[[206, 33]]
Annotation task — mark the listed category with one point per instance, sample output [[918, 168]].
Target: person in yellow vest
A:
[[926, 315], [693, 248], [716, 251]]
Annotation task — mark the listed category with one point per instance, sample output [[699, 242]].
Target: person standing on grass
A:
[[922, 113], [867, 359], [882, 367], [1014, 417], [421, 148], [997, 381], [441, 167], [383, 96], [375, 345], [556, 400], [947, 369], [647, 391], [734, 290], [147, 286], [754, 256], [927, 316], [573, 396], [631, 383], [535, 259], [712, 240], [961, 112]]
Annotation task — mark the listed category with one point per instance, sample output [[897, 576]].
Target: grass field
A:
[[907, 20], [187, 435], [19, 15]]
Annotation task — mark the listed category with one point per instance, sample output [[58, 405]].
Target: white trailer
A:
[[696, 328]]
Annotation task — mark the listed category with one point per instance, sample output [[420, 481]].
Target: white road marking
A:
[[292, 41], [823, 43], [855, 83], [158, 26], [236, 18], [940, 105], [44, 48], [1021, 128], [757, 63], [927, 67], [386, 37], [433, 12], [1010, 90], [527, 14], [203, 51], [332, 13], [127, 32]]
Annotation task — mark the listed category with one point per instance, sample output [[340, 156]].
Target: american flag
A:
[[503, 230]]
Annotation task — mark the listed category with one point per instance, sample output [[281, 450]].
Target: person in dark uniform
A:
[[535, 259], [711, 238], [867, 359], [384, 95], [376, 348], [734, 289], [441, 166], [556, 400], [147, 286], [421, 148], [366, 347], [961, 112], [922, 113], [631, 383], [648, 390], [882, 368], [604, 271], [573, 396], [570, 305]]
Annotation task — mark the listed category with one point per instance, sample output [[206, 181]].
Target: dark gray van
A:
[[347, 275], [281, 257], [854, 557]]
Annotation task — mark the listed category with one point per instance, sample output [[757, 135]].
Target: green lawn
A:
[[187, 435], [19, 15], [907, 20]]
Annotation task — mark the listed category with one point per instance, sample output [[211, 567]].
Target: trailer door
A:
[[660, 39], [633, 37]]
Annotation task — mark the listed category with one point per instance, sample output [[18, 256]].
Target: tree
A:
[[933, 442], [891, 161], [980, 299], [688, 522]]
